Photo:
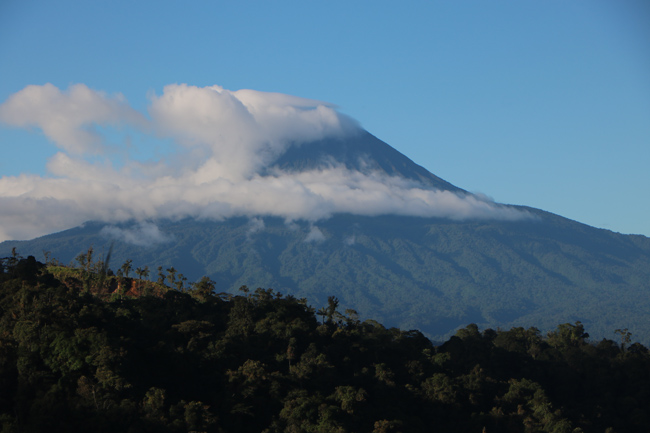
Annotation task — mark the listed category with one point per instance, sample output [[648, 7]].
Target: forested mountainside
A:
[[430, 274], [84, 350]]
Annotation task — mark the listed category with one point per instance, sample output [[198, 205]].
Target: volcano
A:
[[434, 274]]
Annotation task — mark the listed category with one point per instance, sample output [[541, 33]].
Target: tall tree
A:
[[203, 289], [127, 267], [161, 275], [332, 305], [171, 274], [145, 272]]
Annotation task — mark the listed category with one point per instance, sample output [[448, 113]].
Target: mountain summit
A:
[[362, 152]]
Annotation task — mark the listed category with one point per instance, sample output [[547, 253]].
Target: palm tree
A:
[[142, 272], [322, 312], [171, 273], [127, 267], [180, 282], [161, 276]]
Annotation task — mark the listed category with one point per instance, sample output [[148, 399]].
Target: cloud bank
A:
[[222, 141]]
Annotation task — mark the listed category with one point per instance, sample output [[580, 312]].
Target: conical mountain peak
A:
[[361, 152]]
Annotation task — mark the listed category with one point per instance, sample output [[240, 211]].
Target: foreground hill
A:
[[429, 274], [82, 351]]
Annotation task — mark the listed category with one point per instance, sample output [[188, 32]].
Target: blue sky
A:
[[538, 103]]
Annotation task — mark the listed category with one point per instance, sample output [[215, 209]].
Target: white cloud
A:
[[315, 235], [223, 142], [234, 134], [143, 234], [68, 118], [255, 225]]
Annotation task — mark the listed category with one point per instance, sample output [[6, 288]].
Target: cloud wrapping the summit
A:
[[223, 142], [234, 134]]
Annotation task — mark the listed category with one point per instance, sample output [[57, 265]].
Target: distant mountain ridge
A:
[[431, 274]]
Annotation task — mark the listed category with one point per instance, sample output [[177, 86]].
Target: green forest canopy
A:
[[83, 349]]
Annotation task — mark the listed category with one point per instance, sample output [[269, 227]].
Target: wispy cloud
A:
[[144, 234], [315, 235], [223, 140], [254, 225]]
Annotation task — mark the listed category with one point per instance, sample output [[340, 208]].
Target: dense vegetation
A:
[[84, 350], [431, 274]]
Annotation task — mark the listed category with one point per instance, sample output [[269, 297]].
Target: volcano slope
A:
[[430, 274]]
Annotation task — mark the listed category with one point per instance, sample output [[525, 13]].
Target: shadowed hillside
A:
[[416, 273]]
